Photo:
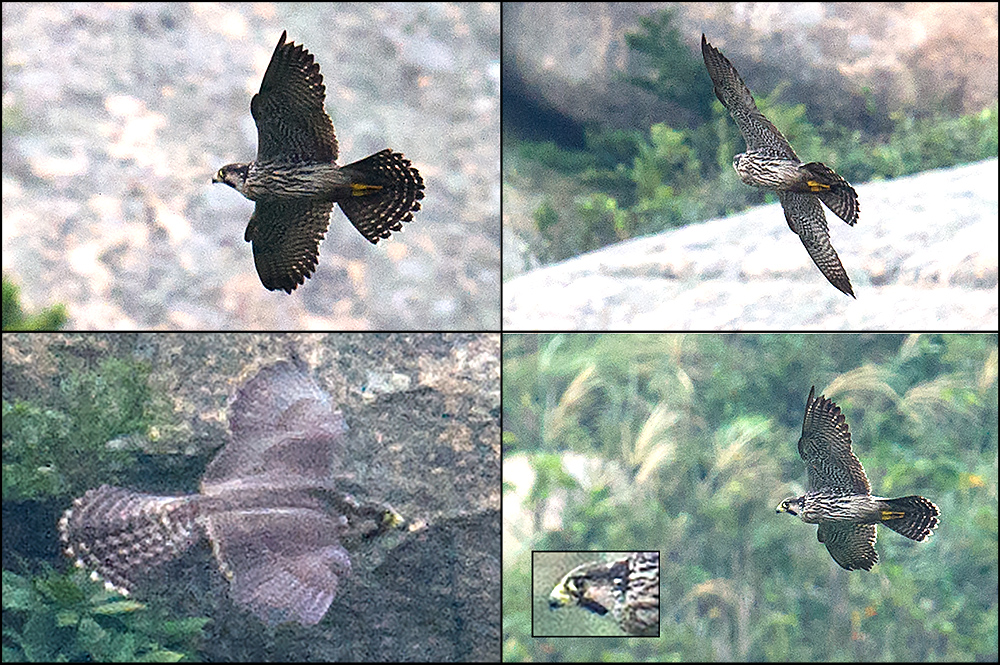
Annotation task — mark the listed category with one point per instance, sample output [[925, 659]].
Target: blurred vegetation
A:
[[57, 445], [64, 618], [14, 318], [625, 184], [78, 422], [686, 443]]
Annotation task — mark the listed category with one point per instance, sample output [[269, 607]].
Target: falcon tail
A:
[[912, 516], [832, 190], [385, 191]]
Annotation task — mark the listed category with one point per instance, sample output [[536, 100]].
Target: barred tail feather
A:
[[386, 191], [912, 516]]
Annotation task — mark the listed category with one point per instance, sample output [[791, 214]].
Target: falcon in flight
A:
[[295, 180], [839, 498], [270, 504], [628, 587], [770, 163]]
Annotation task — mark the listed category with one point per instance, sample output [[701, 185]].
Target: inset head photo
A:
[[596, 594]]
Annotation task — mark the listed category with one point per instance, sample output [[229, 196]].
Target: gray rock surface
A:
[[923, 256], [571, 57], [116, 117]]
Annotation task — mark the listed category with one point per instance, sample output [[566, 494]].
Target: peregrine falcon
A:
[[295, 180], [274, 512], [838, 497], [628, 587], [770, 163]]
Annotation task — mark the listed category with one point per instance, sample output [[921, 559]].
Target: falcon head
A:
[[592, 586], [793, 505], [234, 175]]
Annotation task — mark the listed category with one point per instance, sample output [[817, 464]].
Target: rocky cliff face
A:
[[922, 256]]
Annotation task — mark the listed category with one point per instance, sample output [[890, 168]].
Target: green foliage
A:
[[686, 443], [551, 156], [603, 221], [14, 318], [59, 618], [58, 444], [665, 165], [627, 183], [611, 148], [918, 145], [65, 434], [666, 155], [673, 75], [546, 217]]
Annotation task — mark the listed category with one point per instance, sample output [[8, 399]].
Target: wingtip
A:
[[281, 42]]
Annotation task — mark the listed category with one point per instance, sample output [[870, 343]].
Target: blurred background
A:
[[116, 117], [686, 444], [622, 210]]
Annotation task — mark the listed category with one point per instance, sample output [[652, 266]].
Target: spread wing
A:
[[285, 434], [851, 545], [825, 447], [291, 121], [281, 554], [758, 132], [264, 506], [274, 538]]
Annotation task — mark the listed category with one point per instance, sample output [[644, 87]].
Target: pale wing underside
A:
[[262, 507]]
